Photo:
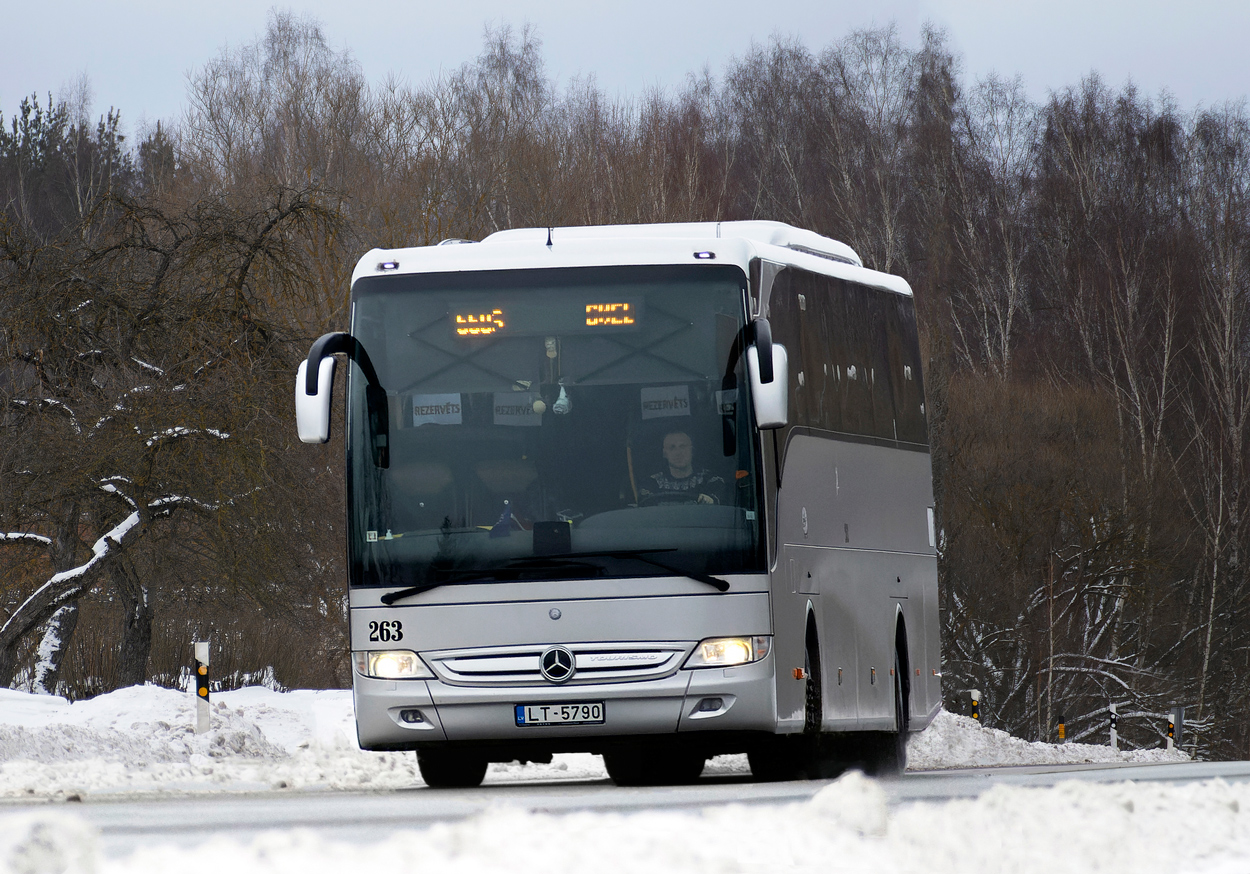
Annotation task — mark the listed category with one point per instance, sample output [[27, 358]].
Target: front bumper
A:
[[409, 714]]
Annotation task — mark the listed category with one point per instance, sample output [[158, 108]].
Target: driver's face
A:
[[678, 451]]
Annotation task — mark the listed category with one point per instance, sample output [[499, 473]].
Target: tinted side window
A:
[[854, 357]]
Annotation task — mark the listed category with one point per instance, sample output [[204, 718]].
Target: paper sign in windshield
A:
[[441, 409], [665, 400], [516, 408]]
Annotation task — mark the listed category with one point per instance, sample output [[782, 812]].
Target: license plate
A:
[[580, 713]]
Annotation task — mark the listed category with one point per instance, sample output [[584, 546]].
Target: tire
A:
[[441, 769], [819, 760], [809, 755], [813, 693], [886, 751], [650, 766]]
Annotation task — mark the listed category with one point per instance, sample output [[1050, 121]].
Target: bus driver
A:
[[679, 482]]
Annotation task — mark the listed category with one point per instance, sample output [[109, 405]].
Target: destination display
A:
[[544, 316]]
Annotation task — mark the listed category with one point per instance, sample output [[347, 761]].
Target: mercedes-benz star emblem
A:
[[558, 664], [554, 613]]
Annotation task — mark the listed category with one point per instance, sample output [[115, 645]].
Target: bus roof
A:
[[608, 245]]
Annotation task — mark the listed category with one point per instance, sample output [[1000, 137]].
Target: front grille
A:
[[519, 665]]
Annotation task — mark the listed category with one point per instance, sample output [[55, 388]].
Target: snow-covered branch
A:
[[66, 585], [114, 490], [166, 504], [146, 366], [180, 431], [54, 404], [120, 406], [23, 537]]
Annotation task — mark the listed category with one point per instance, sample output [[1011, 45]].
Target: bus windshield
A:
[[599, 414]]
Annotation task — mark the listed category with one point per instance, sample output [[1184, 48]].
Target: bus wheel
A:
[[818, 760], [651, 766], [441, 769], [887, 750]]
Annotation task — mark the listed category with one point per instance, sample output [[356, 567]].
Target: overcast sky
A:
[[137, 53]]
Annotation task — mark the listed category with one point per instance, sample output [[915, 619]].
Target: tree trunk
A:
[[52, 649], [136, 643], [62, 589]]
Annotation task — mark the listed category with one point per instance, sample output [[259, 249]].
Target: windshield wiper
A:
[[508, 573], [566, 561], [643, 556]]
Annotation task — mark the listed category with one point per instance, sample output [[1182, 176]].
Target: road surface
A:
[[127, 821]]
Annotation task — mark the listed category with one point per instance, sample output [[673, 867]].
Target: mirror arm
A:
[[764, 348], [330, 344]]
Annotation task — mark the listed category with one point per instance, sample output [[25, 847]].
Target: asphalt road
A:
[[130, 821]]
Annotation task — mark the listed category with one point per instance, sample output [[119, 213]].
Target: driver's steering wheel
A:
[[661, 499]]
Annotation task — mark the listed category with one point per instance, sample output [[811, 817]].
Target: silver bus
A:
[[656, 492]]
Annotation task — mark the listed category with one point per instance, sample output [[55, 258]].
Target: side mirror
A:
[[772, 398], [312, 411], [313, 390]]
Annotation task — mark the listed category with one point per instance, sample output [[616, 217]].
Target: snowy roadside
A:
[[953, 741], [140, 739], [1074, 827]]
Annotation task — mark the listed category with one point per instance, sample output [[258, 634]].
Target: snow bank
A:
[[141, 739], [953, 741], [847, 827]]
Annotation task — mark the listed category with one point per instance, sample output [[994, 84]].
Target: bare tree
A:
[[1218, 411], [998, 128], [869, 108], [133, 365]]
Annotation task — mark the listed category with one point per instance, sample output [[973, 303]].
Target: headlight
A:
[[720, 652], [392, 664]]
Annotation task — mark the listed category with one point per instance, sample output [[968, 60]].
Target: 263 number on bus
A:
[[386, 631]]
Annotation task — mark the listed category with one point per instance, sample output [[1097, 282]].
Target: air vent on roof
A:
[[826, 255]]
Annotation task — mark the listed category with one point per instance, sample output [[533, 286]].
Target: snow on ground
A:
[[953, 741], [847, 827], [140, 740]]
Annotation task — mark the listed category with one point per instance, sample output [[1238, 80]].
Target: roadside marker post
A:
[[201, 686], [1176, 724], [975, 695], [1115, 721], [1063, 730]]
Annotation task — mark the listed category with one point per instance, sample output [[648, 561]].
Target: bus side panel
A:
[[926, 686], [855, 516], [835, 604]]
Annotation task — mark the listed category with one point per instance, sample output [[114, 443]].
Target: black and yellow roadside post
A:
[[1176, 722], [1063, 730], [201, 686], [975, 695]]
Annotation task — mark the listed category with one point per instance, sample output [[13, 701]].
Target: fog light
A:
[[412, 717], [710, 705]]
